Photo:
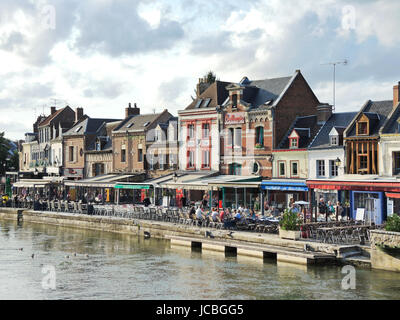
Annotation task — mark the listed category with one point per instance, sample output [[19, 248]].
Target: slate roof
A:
[[378, 112], [88, 126], [392, 124], [47, 120], [217, 94], [339, 121], [268, 90], [306, 136], [136, 122]]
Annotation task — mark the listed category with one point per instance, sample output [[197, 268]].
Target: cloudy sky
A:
[[102, 54]]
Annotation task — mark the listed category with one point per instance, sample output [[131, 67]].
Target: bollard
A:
[[20, 215]]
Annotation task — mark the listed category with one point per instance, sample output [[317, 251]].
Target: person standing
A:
[[339, 211], [322, 209]]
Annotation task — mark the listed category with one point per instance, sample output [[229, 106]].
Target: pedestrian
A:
[[339, 211], [322, 209]]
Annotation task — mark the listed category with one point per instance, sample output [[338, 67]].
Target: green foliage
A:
[[290, 221], [210, 77], [393, 223]]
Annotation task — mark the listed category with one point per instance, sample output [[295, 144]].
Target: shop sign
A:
[[234, 118]]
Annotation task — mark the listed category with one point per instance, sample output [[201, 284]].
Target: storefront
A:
[[368, 200], [278, 192]]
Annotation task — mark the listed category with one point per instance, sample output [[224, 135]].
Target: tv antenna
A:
[[344, 62]]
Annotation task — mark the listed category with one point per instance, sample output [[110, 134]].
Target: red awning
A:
[[392, 195], [354, 185]]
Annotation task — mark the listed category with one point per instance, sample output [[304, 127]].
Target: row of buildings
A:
[[247, 143]]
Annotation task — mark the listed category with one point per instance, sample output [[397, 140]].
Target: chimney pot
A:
[[396, 94], [324, 111], [78, 114], [132, 111], [129, 105], [52, 110]]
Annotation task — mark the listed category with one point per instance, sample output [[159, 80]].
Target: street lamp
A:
[[338, 162]]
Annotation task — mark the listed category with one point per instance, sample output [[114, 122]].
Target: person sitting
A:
[[214, 214], [199, 214], [238, 216], [146, 202], [252, 215]]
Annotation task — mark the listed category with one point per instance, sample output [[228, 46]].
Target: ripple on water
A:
[[127, 267]]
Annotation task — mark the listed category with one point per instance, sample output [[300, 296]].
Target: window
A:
[[334, 141], [333, 168], [260, 136], [255, 167], [190, 159], [140, 155], [191, 131], [206, 159], [161, 158], [362, 128], [206, 130], [363, 162], [238, 137], [151, 161], [235, 169], [71, 154], [294, 143], [234, 100], [321, 168], [123, 155], [230, 137], [396, 163], [281, 168], [295, 168]]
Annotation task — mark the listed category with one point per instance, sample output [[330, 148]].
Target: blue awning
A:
[[284, 186]]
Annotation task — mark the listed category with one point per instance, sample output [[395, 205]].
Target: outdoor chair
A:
[[153, 214]]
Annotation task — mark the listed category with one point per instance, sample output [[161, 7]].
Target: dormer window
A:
[[234, 100], [294, 142], [362, 128], [334, 140]]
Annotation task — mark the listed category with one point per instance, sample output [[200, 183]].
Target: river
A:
[[73, 263]]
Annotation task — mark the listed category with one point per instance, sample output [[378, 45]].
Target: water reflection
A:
[[103, 265]]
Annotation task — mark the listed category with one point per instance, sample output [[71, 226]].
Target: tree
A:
[[7, 160], [208, 79]]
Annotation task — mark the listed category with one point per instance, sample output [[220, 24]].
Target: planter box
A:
[[287, 234]]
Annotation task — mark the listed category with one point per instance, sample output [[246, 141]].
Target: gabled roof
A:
[[137, 123], [306, 127], [88, 126], [378, 111], [51, 117], [213, 96], [265, 93], [339, 121], [392, 124]]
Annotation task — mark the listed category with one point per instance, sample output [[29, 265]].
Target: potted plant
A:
[[259, 146], [289, 226]]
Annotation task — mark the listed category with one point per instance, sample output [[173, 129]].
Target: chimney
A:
[[78, 114], [52, 110], [132, 111], [324, 111], [396, 94], [202, 86]]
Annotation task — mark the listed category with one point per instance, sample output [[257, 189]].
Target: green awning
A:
[[131, 186]]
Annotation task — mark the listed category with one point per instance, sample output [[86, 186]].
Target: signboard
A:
[[360, 214], [389, 207], [234, 118], [131, 186], [73, 173]]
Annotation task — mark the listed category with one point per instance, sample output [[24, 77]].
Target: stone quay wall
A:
[[385, 250]]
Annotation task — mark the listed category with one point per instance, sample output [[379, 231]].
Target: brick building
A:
[[132, 138], [255, 118], [77, 141]]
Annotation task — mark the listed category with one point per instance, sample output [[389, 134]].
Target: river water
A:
[[86, 264]]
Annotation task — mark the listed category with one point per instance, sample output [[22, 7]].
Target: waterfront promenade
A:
[[252, 244]]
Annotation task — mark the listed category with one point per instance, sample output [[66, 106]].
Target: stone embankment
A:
[[241, 243]]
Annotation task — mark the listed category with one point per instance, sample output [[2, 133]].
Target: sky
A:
[[103, 54]]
